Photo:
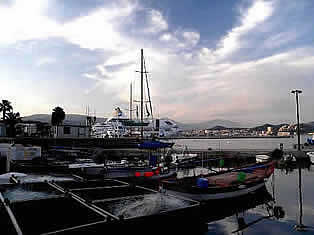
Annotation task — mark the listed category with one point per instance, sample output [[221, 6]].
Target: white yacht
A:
[[111, 128], [119, 125]]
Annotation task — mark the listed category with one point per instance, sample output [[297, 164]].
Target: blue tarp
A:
[[310, 141], [154, 145], [153, 160], [250, 169]]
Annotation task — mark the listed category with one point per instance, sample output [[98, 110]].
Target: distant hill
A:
[[304, 127], [210, 124], [217, 124], [275, 127], [75, 119]]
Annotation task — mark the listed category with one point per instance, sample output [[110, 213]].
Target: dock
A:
[[90, 207]]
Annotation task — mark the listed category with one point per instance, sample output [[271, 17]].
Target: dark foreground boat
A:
[[235, 183]]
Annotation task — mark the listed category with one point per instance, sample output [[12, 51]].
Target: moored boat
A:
[[234, 183]]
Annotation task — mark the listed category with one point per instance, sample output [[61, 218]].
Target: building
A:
[[269, 130], [283, 133], [70, 131], [32, 128], [2, 130]]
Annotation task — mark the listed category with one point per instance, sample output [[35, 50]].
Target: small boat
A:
[[311, 156], [262, 158], [234, 183]]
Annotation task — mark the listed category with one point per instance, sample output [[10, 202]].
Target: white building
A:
[[70, 131], [283, 133]]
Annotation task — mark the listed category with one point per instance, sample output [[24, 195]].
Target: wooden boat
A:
[[234, 183]]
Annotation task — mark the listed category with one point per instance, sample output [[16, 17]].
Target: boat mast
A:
[[131, 105], [142, 65], [149, 98]]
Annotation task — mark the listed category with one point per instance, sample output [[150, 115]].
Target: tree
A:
[[57, 117], [5, 107], [11, 120]]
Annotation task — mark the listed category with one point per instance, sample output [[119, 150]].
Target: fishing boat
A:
[[234, 183]]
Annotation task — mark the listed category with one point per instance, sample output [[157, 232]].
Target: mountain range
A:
[[77, 119]]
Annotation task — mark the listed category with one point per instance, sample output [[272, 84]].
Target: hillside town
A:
[[283, 130]]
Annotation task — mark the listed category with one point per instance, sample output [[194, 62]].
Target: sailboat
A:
[[120, 125]]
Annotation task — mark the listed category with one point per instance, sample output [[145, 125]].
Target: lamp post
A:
[[300, 226], [297, 92]]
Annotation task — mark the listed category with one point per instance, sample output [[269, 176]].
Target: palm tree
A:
[[5, 107], [11, 120], [57, 117]]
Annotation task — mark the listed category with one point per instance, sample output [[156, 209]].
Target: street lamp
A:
[[300, 226], [297, 92]]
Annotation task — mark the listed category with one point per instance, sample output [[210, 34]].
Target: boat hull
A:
[[217, 196]]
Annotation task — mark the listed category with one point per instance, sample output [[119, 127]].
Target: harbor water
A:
[[239, 143], [255, 215], [284, 206]]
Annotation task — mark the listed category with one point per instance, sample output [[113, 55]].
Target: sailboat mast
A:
[[142, 65], [149, 98], [131, 105]]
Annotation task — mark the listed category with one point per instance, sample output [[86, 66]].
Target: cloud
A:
[[246, 75], [191, 38], [45, 61], [256, 14], [157, 22]]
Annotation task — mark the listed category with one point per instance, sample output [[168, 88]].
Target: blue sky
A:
[[235, 60]]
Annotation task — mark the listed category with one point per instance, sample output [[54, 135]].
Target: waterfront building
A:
[[283, 133], [2, 130], [70, 131]]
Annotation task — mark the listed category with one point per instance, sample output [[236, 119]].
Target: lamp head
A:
[[296, 91]]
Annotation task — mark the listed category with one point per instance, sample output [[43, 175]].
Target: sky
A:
[[218, 59]]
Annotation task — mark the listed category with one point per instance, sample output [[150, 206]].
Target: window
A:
[[67, 130]]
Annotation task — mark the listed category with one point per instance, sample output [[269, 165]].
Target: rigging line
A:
[[149, 99]]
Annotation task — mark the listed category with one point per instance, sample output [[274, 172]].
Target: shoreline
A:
[[226, 137]]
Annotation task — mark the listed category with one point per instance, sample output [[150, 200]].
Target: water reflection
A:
[[233, 213], [284, 206], [299, 165]]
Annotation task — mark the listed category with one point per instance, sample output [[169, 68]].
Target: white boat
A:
[[262, 158], [112, 128], [311, 156], [120, 125]]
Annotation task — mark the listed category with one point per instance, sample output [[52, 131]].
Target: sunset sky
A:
[[217, 59]]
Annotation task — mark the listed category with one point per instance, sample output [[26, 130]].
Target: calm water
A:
[[257, 210], [286, 194], [247, 143]]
